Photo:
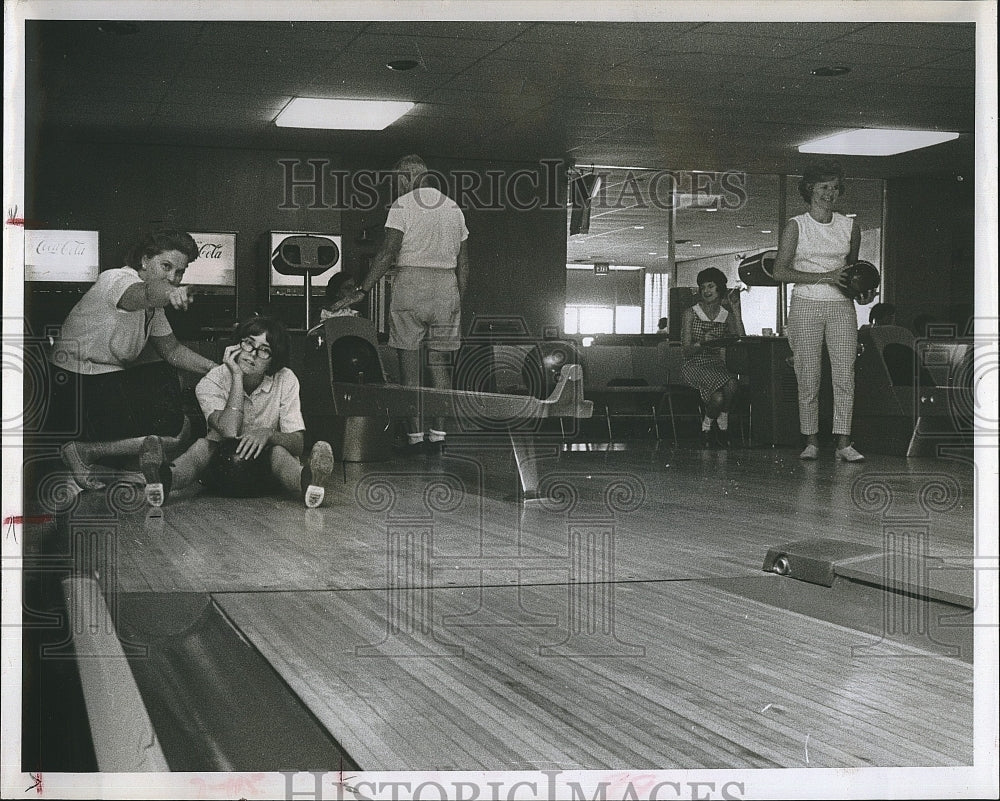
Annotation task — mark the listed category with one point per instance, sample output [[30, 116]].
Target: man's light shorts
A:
[[425, 307]]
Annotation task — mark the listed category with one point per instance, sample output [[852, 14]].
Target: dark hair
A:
[[335, 284], [277, 338], [662, 322], [817, 172], [880, 312], [716, 276], [410, 163], [157, 242]]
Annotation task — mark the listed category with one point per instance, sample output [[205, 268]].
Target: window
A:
[[715, 220], [657, 301], [590, 319], [580, 319], [628, 320]]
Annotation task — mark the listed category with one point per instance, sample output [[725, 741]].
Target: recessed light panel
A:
[[341, 115], [830, 72], [876, 142], [403, 64]]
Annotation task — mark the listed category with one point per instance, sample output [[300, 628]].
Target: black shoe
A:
[[434, 447], [155, 470]]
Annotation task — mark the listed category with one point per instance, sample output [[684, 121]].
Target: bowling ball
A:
[[355, 360], [234, 477], [862, 278], [758, 270]]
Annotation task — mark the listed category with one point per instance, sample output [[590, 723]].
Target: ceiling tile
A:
[[918, 35], [482, 31], [705, 95]]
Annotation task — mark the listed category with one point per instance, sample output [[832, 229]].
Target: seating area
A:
[[641, 384], [912, 395]]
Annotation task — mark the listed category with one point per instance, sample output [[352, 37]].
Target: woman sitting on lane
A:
[[255, 425], [712, 317], [99, 389]]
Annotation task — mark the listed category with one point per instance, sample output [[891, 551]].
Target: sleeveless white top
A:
[[822, 247]]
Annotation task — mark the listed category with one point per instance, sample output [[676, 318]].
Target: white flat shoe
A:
[[849, 454], [810, 453], [316, 474]]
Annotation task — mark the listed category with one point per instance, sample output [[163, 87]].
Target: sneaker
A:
[[83, 473], [316, 473], [810, 453], [154, 469], [849, 454]]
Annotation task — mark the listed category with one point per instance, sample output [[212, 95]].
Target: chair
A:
[[631, 395], [671, 358], [897, 402]]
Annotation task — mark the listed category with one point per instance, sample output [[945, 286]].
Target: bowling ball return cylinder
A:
[[354, 358]]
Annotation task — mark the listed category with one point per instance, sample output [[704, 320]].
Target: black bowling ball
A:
[[862, 278], [355, 359], [234, 477]]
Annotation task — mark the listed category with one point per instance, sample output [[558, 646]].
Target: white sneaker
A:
[[316, 473], [154, 470], [810, 453], [849, 454]]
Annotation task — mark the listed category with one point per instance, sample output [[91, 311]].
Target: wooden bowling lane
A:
[[428, 624], [669, 514], [663, 675]]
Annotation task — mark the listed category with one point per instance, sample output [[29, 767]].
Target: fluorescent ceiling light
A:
[[590, 266], [876, 142], [698, 200], [341, 115]]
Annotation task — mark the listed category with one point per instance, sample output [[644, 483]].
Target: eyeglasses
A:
[[249, 346]]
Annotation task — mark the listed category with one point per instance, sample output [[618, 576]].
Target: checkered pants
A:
[[810, 322]]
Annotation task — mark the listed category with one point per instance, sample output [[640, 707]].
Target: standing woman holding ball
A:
[[815, 250]]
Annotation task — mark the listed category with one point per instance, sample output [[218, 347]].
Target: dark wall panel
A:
[[517, 241], [930, 244]]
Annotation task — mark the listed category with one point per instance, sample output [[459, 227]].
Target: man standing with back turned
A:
[[426, 238]]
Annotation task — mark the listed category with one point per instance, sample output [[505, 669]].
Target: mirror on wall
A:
[[741, 222], [650, 232]]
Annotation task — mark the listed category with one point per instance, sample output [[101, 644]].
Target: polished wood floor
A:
[[429, 622]]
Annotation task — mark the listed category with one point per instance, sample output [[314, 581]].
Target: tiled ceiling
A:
[[710, 96]]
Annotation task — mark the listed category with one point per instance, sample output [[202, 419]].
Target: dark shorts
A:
[[135, 402], [232, 477]]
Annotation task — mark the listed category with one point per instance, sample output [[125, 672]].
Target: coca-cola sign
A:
[[61, 256], [216, 262]]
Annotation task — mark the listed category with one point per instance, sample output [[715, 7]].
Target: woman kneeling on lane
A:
[[107, 396]]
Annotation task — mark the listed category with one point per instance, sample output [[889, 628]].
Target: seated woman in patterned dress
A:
[[712, 317]]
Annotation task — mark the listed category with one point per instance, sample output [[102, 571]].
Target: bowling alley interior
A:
[[579, 580]]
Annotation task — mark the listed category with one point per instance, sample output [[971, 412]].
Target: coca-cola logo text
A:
[[210, 250], [66, 247]]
